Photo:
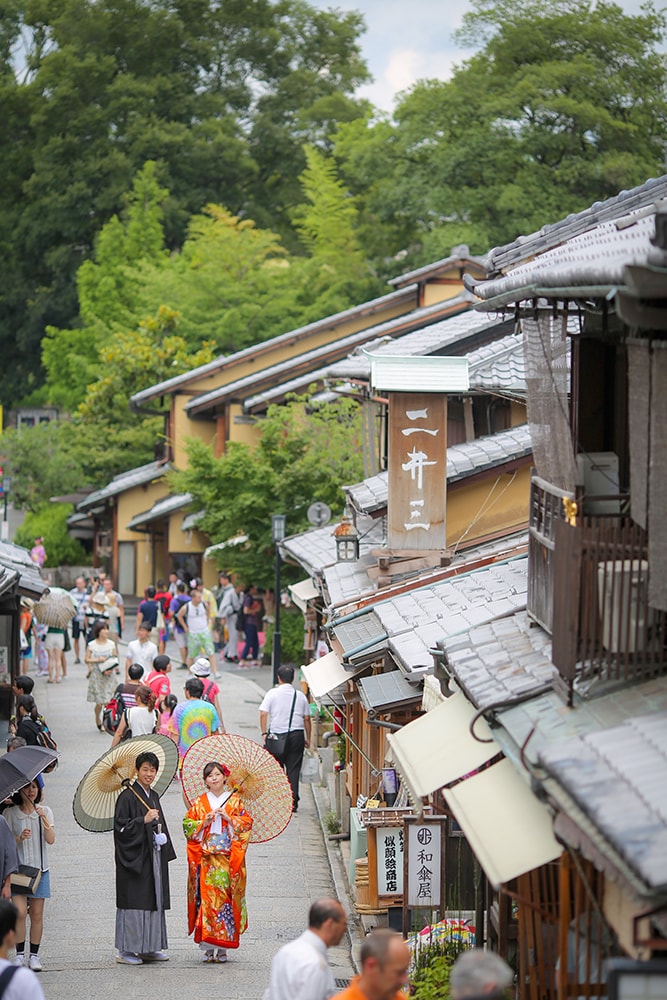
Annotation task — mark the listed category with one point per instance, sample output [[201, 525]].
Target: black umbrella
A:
[[20, 766]]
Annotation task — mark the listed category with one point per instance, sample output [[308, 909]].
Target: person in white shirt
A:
[[20, 983], [286, 710], [300, 970], [141, 651]]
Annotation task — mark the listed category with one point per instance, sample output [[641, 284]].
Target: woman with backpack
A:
[[29, 725], [141, 719]]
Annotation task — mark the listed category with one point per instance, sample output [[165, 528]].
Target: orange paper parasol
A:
[[258, 776]]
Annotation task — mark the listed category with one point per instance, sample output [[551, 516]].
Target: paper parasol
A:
[[259, 777], [95, 798], [55, 609]]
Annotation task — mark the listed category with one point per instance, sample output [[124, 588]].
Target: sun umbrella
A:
[[95, 798], [20, 766], [55, 609], [253, 770]]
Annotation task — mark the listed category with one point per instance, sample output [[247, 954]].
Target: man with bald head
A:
[[385, 961], [481, 974], [301, 970]]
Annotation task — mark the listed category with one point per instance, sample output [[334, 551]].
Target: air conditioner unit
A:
[[623, 604], [598, 474]]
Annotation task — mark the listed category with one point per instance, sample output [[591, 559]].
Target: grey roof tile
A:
[[370, 495], [618, 778], [125, 481]]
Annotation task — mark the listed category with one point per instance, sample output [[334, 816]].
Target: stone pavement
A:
[[284, 875]]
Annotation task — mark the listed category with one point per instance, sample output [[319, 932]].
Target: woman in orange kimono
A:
[[217, 829]]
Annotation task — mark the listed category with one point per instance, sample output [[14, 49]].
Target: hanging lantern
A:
[[347, 540]]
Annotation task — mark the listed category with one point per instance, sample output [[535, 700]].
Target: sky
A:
[[405, 42]]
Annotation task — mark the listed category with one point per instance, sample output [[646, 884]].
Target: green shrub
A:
[[49, 521], [432, 964], [291, 637]]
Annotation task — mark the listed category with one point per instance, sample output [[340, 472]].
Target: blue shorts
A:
[[43, 890]]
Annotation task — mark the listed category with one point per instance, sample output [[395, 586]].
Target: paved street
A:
[[284, 875]]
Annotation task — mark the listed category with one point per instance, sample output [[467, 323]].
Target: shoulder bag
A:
[[24, 882], [276, 743]]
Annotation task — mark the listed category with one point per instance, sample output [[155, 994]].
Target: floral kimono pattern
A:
[[217, 873]]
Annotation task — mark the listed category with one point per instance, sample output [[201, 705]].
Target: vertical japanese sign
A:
[[390, 860], [424, 864], [417, 471]]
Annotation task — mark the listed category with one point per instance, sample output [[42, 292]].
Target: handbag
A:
[[24, 882], [111, 663], [276, 743]]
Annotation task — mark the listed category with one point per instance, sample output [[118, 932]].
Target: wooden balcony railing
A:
[[589, 586]]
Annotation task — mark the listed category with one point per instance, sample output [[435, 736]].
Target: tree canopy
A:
[[301, 457], [564, 104], [221, 96]]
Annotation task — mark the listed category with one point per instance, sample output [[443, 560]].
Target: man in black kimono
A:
[[143, 851]]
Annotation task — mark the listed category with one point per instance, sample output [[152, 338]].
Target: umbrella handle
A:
[[147, 806]]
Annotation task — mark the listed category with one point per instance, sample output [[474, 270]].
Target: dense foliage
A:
[[563, 104], [180, 179], [300, 458], [222, 96], [49, 521]]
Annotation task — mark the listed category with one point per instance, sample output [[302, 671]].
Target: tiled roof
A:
[[460, 255], [412, 623], [360, 637], [499, 367], [463, 460], [501, 660], [226, 361], [161, 508], [316, 549], [389, 690], [16, 566], [588, 250], [448, 336], [125, 481], [618, 777], [346, 581], [526, 247], [312, 360]]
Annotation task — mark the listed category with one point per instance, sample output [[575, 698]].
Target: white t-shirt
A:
[[143, 653], [31, 851], [24, 984], [278, 703], [196, 617], [141, 721]]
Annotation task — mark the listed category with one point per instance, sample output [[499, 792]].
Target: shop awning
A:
[[302, 592], [510, 831], [438, 748], [325, 674]]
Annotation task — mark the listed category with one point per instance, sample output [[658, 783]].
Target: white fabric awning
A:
[[438, 748], [302, 592], [325, 674], [510, 831]]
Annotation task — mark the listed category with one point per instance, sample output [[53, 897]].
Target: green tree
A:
[[221, 96], [304, 454], [38, 466], [108, 287], [49, 521], [564, 104], [336, 272]]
